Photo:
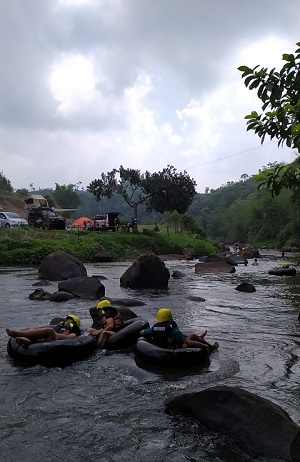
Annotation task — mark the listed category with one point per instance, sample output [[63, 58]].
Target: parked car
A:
[[46, 218], [12, 220]]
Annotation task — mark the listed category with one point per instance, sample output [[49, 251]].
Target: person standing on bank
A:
[[109, 321]]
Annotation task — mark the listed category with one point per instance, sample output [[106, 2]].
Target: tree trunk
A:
[[134, 228]]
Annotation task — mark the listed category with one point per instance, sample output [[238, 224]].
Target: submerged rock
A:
[[245, 287]]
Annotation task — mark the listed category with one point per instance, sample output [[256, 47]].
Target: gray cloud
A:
[[187, 48]]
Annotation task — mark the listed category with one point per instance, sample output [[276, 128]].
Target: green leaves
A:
[[280, 116]]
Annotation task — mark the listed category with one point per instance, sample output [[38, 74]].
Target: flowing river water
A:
[[109, 409]]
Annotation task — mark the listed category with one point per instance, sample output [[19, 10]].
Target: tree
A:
[[244, 177], [161, 191], [280, 117], [22, 192], [5, 184], [189, 223], [66, 197], [173, 219]]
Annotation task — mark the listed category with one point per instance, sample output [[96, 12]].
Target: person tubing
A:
[[164, 314], [103, 304]]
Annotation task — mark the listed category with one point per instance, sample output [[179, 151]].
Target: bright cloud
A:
[[72, 83]]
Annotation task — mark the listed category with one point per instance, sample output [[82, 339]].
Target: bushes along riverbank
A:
[[30, 247]]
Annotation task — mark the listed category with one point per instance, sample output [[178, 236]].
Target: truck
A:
[[41, 215], [106, 221]]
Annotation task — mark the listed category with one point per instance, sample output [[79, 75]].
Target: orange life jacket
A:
[[118, 323]]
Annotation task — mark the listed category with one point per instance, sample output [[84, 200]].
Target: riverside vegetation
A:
[[31, 246]]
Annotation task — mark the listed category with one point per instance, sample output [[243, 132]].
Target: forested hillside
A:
[[239, 212]]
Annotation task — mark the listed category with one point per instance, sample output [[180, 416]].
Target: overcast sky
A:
[[89, 85]]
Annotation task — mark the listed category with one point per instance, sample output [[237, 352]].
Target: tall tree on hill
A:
[[280, 117], [66, 196], [162, 191], [5, 184]]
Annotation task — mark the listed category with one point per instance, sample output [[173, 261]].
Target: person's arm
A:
[[94, 332], [110, 324], [146, 332], [65, 336]]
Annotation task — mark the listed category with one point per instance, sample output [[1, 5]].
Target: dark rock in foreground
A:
[[260, 427]]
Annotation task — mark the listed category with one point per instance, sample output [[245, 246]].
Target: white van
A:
[[105, 221]]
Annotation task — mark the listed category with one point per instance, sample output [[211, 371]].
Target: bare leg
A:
[[215, 346], [46, 333], [197, 338], [194, 344], [103, 337], [23, 341], [200, 339], [203, 333]]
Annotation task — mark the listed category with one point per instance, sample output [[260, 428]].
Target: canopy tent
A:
[[81, 222]]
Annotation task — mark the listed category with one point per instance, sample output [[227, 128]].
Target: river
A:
[[108, 409]]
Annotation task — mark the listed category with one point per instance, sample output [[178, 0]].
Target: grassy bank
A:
[[18, 246]]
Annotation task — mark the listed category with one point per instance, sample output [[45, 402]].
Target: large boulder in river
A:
[[148, 272], [83, 287], [212, 257], [216, 258], [214, 267], [260, 427], [58, 266]]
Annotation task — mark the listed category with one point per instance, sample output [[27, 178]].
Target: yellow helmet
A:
[[75, 319], [285, 265], [165, 314], [103, 304]]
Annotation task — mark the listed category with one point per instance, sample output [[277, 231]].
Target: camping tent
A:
[[81, 222]]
